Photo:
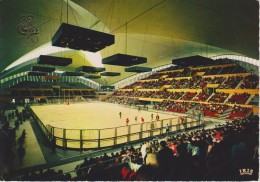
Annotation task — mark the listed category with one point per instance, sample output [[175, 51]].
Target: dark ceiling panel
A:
[[138, 69], [90, 69], [80, 38], [110, 74], [55, 61], [124, 60], [193, 61], [67, 73]]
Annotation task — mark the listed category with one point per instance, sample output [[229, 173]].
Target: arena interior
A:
[[133, 90]]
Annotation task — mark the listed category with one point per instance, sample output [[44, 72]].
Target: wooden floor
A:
[[91, 115]]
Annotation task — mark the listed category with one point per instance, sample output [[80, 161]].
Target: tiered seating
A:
[[29, 84], [88, 93], [123, 100], [180, 107], [123, 93], [218, 97], [176, 95], [217, 80], [161, 95], [145, 94], [201, 97], [77, 92], [239, 112], [213, 110], [213, 71], [161, 105], [173, 74], [37, 93], [152, 84], [204, 155], [199, 70], [25, 93], [50, 90], [195, 81], [250, 82], [188, 96], [239, 98], [231, 82], [48, 93], [184, 73], [182, 83], [232, 69], [202, 82], [15, 92], [133, 85]]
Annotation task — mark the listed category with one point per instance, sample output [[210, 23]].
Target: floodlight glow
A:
[[59, 71], [95, 59]]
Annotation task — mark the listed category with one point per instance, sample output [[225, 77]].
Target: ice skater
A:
[[127, 121], [120, 115], [142, 119], [157, 117]]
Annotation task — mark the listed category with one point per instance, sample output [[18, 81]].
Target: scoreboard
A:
[[107, 88]]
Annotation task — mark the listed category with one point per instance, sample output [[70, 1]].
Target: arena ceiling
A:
[[160, 30]]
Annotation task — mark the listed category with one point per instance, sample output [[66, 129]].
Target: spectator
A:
[[165, 160]]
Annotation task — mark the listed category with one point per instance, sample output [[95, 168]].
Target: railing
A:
[[45, 129], [107, 137]]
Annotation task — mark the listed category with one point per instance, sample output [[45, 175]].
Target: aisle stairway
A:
[[225, 114], [210, 97], [238, 85], [249, 99]]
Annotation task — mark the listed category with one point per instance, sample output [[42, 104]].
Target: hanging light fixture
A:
[[124, 59]]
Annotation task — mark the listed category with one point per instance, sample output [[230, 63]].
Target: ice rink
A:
[[96, 115]]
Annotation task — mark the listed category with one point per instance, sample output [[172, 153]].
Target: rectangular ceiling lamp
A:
[[90, 69], [67, 73], [55, 61], [110, 74], [32, 73], [43, 69], [138, 69], [124, 60], [79, 38], [193, 61]]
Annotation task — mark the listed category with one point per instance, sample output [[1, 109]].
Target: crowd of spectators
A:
[[12, 148], [239, 112], [132, 86], [213, 110], [232, 70], [122, 100], [239, 98], [180, 107], [203, 96], [217, 154], [217, 80], [188, 96], [218, 97], [173, 74], [231, 82], [250, 82], [51, 90], [196, 82]]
